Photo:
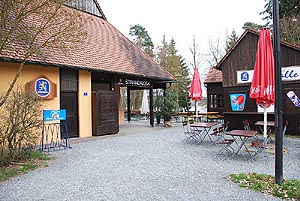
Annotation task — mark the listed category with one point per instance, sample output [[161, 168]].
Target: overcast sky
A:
[[181, 20]]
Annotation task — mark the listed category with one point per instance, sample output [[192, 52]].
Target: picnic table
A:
[[243, 135], [260, 124], [204, 129]]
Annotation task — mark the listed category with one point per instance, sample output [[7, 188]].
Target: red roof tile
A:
[[213, 75], [104, 49]]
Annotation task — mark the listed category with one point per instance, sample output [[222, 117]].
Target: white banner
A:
[[290, 73]]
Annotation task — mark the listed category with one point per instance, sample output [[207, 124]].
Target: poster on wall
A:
[[260, 108], [237, 102], [294, 98]]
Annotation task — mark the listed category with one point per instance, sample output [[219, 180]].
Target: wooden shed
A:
[[237, 68]]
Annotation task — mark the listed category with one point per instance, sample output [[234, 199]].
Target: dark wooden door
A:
[[69, 101], [105, 113]]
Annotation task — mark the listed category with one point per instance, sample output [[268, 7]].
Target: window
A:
[[84, 5], [68, 80], [216, 101]]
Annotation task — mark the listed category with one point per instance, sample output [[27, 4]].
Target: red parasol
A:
[[195, 88], [263, 82]]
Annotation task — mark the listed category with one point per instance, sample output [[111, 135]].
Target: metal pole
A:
[[278, 96], [128, 105], [151, 107]]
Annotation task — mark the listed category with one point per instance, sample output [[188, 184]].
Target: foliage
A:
[[39, 26], [266, 184], [290, 30], [231, 40], [168, 57], [166, 105], [19, 120], [287, 8], [142, 39], [289, 15], [253, 26], [32, 161]]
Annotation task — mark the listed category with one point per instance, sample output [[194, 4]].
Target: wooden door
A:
[[105, 113], [69, 101]]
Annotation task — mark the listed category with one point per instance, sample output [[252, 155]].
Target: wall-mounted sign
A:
[[42, 87], [294, 98], [54, 115], [290, 73], [237, 102], [244, 76], [136, 83], [260, 108]]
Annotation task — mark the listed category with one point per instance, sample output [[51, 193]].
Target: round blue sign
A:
[[42, 87]]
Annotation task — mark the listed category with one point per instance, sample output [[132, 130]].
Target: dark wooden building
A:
[[234, 84]]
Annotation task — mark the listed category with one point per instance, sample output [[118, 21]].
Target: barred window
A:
[[68, 80], [216, 101]]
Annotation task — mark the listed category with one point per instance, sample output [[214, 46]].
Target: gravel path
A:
[[143, 163]]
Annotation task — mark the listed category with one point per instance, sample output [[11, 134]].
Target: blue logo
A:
[[245, 76], [52, 115], [42, 87]]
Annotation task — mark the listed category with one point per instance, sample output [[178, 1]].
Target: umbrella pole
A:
[[196, 108], [265, 121]]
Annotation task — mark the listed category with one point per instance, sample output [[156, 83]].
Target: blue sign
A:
[[42, 87], [53, 115], [245, 76]]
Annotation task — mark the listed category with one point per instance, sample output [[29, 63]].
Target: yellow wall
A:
[[85, 105], [8, 70]]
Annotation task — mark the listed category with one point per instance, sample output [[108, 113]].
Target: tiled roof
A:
[[213, 75], [104, 49]]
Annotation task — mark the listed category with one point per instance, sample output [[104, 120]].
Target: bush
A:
[[166, 105], [20, 123]]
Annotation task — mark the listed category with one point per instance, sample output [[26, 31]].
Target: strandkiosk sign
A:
[[290, 73], [135, 83]]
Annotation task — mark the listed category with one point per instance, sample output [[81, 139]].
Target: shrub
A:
[[20, 123]]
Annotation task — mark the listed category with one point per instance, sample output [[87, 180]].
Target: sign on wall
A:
[[42, 87], [132, 82], [290, 73], [293, 98], [260, 108], [237, 102], [54, 115]]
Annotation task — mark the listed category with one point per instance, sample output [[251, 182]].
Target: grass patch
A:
[[34, 160], [289, 189]]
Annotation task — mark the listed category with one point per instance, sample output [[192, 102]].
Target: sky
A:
[[184, 20]]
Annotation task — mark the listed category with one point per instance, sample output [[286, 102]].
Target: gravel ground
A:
[[144, 163]]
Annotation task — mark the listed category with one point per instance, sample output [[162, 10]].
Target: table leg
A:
[[243, 142]]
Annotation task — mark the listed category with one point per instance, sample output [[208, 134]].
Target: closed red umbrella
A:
[[195, 88], [263, 83]]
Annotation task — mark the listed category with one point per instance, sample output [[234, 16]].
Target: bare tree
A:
[[198, 58], [30, 27], [215, 51]]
